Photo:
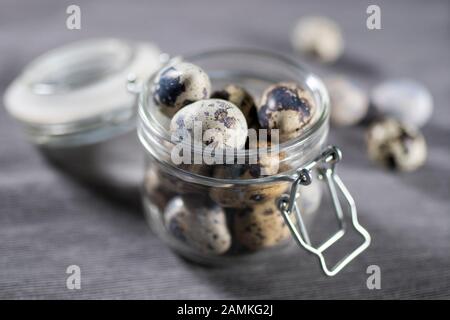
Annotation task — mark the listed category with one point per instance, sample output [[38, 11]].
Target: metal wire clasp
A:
[[325, 165]]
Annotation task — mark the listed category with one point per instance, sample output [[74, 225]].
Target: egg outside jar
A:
[[226, 213]]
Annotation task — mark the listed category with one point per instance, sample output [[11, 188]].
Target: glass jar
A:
[[219, 219], [78, 104]]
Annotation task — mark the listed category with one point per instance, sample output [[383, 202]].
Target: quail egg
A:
[[240, 98], [178, 85], [153, 189], [319, 37], [236, 196], [199, 223], [264, 163], [287, 107], [168, 183], [396, 146], [405, 100], [212, 122], [261, 226], [349, 103]]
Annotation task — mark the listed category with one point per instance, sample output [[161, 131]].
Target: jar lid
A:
[[78, 93]]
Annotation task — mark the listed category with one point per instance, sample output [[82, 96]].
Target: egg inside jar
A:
[[221, 131]]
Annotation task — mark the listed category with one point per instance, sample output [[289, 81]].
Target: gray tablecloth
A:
[[49, 220]]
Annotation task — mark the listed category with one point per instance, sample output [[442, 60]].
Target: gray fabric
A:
[[49, 219]]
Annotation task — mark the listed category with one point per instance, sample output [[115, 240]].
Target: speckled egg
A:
[[171, 183], [405, 100], [319, 37], [240, 98], [287, 107], [161, 185], [198, 223], [266, 161], [222, 124], [235, 196], [396, 146], [261, 226], [349, 103], [154, 191], [264, 164], [198, 169], [178, 85]]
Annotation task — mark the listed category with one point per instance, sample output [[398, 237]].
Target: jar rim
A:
[[150, 127]]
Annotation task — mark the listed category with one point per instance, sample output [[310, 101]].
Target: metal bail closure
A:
[[325, 165]]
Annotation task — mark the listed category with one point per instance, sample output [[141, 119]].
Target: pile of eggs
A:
[[402, 106], [240, 218], [182, 91]]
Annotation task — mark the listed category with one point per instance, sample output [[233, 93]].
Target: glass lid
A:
[[80, 88], [78, 65]]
